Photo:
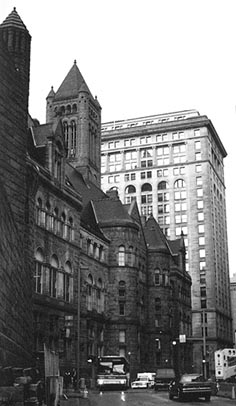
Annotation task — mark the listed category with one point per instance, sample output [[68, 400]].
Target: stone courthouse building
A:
[[81, 273]]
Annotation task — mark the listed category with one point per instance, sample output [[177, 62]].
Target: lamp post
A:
[[129, 354], [78, 331]]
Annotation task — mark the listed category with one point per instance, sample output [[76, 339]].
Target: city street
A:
[[146, 398]]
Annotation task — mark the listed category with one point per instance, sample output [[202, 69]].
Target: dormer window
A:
[[58, 162]]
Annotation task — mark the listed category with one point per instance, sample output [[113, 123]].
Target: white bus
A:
[[225, 363]]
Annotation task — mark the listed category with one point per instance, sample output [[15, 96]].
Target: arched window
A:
[[56, 222], [100, 296], [162, 185], [62, 110], [48, 216], [131, 256], [66, 133], [130, 189], [38, 276], [74, 108], [40, 214], [121, 256], [63, 225], [146, 199], [157, 277], [130, 194], [89, 292], [71, 229], [165, 277], [68, 109], [146, 187], [73, 138], [179, 184], [53, 276], [68, 283]]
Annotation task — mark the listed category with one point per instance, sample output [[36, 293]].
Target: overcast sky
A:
[[140, 58]]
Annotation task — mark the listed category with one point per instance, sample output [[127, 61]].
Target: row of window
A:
[[52, 280], [52, 221], [148, 139], [131, 158], [95, 296]]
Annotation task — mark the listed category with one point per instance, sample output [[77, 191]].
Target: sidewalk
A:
[[73, 398]]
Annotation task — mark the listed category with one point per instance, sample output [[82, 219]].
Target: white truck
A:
[[225, 363]]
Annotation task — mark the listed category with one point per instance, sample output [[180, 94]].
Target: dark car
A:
[[192, 386], [163, 378]]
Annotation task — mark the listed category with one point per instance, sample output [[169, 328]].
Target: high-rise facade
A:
[[172, 165]]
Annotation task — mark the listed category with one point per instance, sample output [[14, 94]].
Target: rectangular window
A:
[[198, 156], [199, 181], [198, 168], [203, 303], [200, 204], [201, 240], [202, 253], [122, 336], [202, 265], [201, 228], [199, 192], [200, 216], [121, 309], [197, 144]]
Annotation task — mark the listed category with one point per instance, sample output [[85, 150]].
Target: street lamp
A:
[[129, 354]]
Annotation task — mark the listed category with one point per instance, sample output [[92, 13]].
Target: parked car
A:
[[163, 378], [191, 386], [215, 385], [141, 383]]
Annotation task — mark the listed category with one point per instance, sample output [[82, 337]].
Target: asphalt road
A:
[[144, 397]]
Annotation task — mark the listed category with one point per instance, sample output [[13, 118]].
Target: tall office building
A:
[[172, 164]]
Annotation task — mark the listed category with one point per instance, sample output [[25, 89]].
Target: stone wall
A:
[[15, 281]]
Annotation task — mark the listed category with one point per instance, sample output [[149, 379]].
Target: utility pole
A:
[[204, 365], [78, 330]]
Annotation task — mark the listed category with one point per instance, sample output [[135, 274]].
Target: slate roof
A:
[[71, 85], [13, 20], [176, 245], [154, 236], [87, 189], [112, 212]]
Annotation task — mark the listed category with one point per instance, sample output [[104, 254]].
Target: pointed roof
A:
[[51, 93], [72, 84], [13, 20], [154, 236]]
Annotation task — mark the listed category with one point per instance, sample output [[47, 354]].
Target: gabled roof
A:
[[72, 84], [89, 221], [38, 139], [87, 189], [154, 236], [177, 245], [13, 20], [111, 212]]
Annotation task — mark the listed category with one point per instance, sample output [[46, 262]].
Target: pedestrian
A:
[[74, 378], [67, 379]]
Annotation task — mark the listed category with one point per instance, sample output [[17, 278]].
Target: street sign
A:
[[182, 338]]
